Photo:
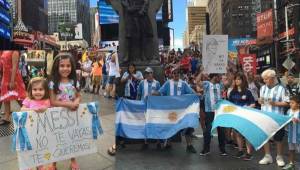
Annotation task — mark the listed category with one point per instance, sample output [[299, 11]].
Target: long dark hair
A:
[[131, 64], [55, 76], [244, 84]]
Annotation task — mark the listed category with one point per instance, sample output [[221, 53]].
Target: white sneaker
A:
[[267, 159], [280, 161]]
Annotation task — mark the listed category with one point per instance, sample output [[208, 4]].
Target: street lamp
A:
[[287, 28]]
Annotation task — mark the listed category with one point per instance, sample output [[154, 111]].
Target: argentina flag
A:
[[166, 115], [255, 125], [130, 118]]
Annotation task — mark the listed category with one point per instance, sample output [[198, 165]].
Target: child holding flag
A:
[[294, 131]]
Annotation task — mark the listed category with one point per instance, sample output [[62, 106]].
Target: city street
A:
[[99, 161], [133, 158]]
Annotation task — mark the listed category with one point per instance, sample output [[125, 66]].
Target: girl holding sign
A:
[[64, 89], [38, 98]]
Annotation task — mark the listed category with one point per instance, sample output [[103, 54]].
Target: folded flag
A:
[[130, 118], [255, 125], [166, 115]]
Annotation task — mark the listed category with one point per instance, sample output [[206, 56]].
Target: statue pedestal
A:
[[158, 75]]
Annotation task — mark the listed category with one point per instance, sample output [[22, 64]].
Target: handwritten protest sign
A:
[[58, 134], [215, 53]]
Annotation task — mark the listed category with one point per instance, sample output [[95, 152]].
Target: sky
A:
[[178, 23]]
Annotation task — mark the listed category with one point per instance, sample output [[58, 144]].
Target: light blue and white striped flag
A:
[[255, 125], [130, 118], [166, 115]]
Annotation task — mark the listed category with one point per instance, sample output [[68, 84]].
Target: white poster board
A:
[[58, 134], [215, 53]]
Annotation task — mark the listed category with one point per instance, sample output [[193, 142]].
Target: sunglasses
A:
[[175, 73], [149, 73]]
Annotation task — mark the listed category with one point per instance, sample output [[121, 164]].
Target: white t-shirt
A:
[[112, 69]]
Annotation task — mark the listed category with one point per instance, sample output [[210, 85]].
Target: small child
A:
[[64, 89], [38, 98], [294, 131]]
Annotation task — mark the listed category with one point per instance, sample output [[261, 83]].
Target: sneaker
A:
[[239, 154], [247, 157], [204, 152], [194, 136], [223, 153], [190, 149], [145, 146], [267, 159], [280, 161], [289, 166]]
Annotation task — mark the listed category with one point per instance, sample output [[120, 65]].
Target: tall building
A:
[[197, 2], [95, 26], [34, 14], [215, 16], [195, 15], [67, 12], [238, 18]]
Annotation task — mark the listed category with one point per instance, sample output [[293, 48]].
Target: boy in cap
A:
[[148, 87], [177, 87]]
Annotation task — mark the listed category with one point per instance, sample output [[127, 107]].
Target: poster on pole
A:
[[215, 53], [55, 135]]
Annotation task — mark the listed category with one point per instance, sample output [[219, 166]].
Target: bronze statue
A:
[[138, 41]]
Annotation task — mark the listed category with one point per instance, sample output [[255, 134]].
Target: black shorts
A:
[[112, 80], [278, 137]]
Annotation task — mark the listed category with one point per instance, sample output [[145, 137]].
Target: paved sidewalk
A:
[[98, 161], [133, 158]]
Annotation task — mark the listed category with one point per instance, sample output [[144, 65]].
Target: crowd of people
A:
[[183, 74]]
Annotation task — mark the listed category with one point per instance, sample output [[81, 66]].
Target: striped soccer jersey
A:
[[276, 94]]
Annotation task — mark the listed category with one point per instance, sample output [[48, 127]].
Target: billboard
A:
[[233, 44], [4, 4], [264, 23], [109, 16], [5, 32], [78, 31], [4, 17], [248, 62]]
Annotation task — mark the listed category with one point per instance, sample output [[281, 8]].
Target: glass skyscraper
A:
[[69, 12]]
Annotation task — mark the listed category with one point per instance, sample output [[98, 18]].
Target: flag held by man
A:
[[158, 117], [130, 118], [255, 125], [166, 115]]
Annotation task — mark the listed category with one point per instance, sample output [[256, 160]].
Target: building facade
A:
[[95, 26], [195, 16], [34, 14], [215, 16], [71, 13], [238, 18]]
